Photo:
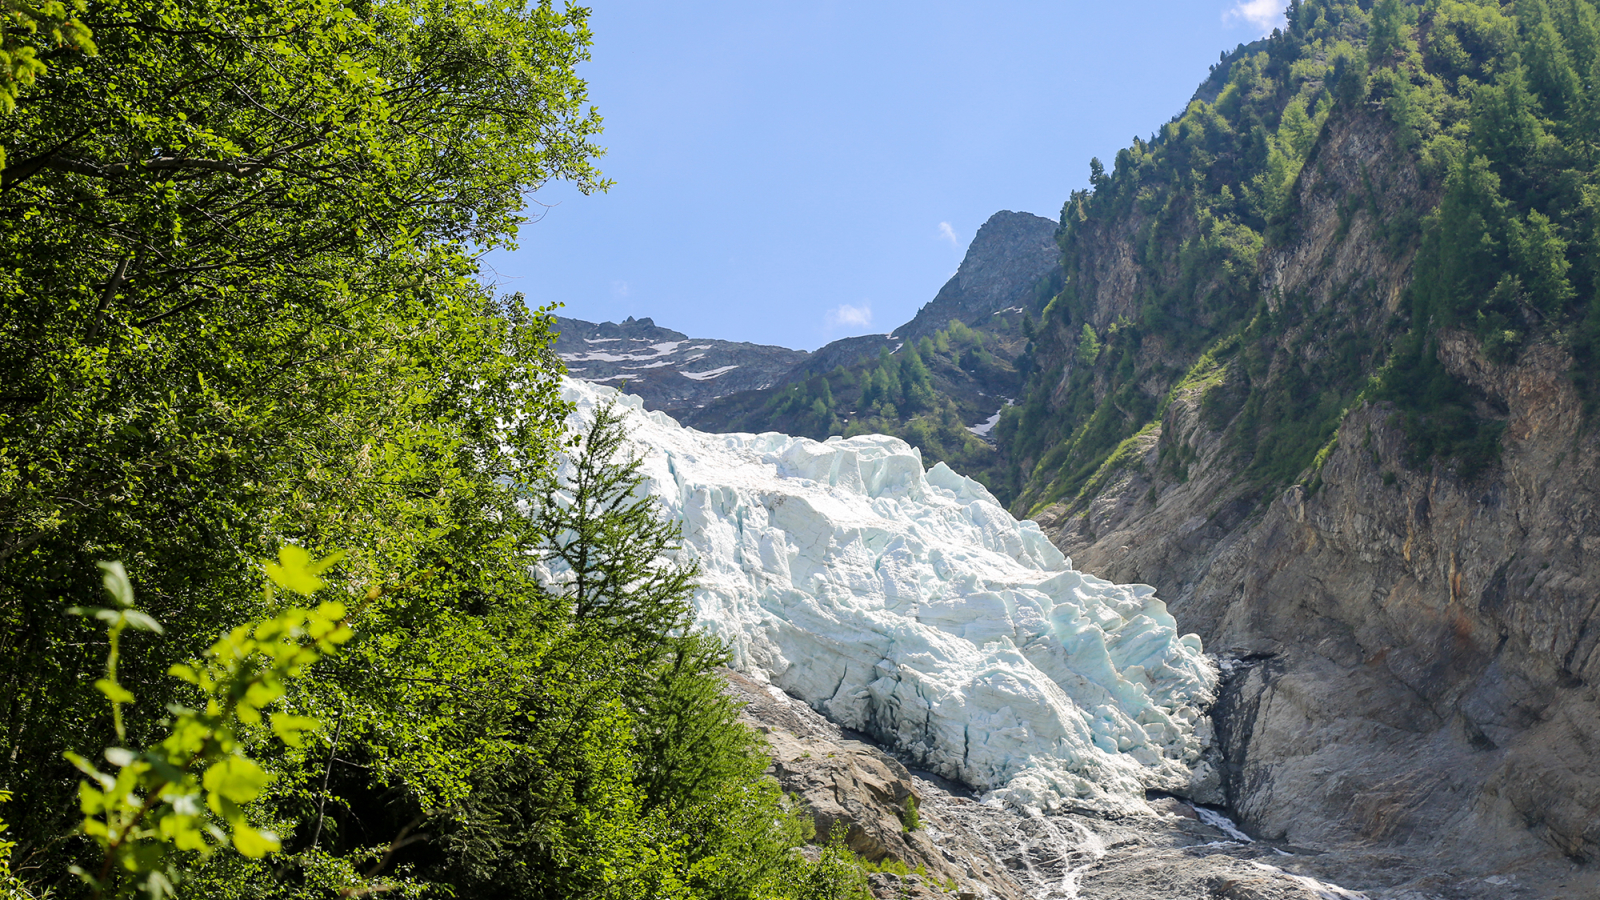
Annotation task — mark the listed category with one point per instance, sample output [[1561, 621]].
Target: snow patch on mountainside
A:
[[906, 603]]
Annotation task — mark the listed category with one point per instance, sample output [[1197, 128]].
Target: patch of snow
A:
[[1223, 824], [1322, 889], [983, 428], [657, 350], [907, 603], [599, 340], [709, 373]]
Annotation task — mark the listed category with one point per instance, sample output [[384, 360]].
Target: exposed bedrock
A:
[[1417, 650], [967, 849]]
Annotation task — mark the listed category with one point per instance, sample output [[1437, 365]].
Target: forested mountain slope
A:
[[1323, 371], [938, 381]]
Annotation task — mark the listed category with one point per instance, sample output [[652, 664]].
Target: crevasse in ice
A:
[[908, 604]]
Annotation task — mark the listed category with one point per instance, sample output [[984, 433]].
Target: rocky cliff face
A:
[[1414, 651], [1010, 265]]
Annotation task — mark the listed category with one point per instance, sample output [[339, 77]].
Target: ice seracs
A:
[[906, 603]]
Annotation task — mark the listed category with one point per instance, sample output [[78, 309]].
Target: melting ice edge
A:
[[908, 604]]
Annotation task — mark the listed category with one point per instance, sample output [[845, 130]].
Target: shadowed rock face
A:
[[1417, 651]]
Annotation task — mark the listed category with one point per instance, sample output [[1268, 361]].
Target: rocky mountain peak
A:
[[1011, 252]]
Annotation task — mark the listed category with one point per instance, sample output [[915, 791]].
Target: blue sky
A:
[[791, 173]]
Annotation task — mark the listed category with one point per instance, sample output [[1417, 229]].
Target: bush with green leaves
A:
[[152, 807]]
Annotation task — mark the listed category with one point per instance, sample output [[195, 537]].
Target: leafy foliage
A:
[[237, 316], [25, 29], [153, 803]]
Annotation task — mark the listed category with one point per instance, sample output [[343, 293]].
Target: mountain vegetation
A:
[[1491, 109], [239, 322], [1492, 106], [927, 390], [924, 391]]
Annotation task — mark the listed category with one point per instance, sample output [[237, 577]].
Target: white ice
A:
[[1223, 824], [906, 603]]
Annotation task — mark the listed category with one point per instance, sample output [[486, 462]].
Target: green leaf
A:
[[290, 729], [140, 621], [235, 778], [252, 843], [116, 581], [295, 571], [157, 886], [114, 692], [90, 801]]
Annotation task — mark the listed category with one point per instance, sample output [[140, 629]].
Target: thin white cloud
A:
[[620, 289], [949, 234], [1264, 14], [846, 316]]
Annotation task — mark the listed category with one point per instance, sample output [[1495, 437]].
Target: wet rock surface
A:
[[967, 848]]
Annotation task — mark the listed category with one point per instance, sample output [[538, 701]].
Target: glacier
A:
[[907, 604]]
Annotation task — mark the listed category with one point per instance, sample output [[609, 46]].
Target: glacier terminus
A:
[[907, 604]]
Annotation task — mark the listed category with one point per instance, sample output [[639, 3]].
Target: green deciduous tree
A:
[[237, 309]]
